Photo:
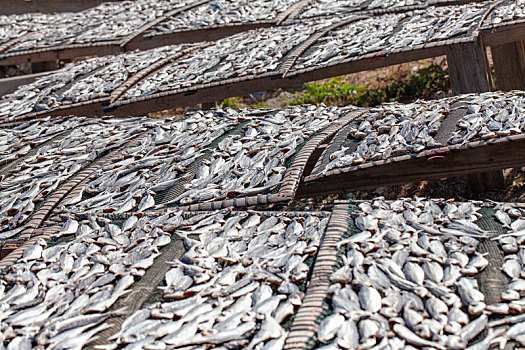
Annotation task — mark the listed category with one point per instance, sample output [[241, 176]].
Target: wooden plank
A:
[[467, 68], [502, 34], [11, 7], [9, 85], [492, 157], [509, 64]]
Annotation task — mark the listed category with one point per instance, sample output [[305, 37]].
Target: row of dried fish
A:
[[35, 177], [251, 53], [234, 287], [18, 141], [394, 31], [509, 11], [77, 82], [255, 52], [106, 22], [396, 129], [45, 91], [223, 13], [235, 284], [407, 279], [57, 296], [254, 161], [157, 164]]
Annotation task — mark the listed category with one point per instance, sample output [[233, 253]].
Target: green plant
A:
[[333, 91], [260, 104], [231, 102], [518, 183], [423, 84]]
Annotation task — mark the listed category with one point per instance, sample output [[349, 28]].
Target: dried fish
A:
[[410, 299], [242, 301], [396, 129]]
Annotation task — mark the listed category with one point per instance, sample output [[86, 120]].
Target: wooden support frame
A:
[[468, 71]]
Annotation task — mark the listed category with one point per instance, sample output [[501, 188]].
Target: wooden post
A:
[[509, 64], [468, 73], [467, 68]]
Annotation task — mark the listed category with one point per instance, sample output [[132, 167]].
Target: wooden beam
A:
[[61, 53], [11, 7], [509, 64], [490, 158]]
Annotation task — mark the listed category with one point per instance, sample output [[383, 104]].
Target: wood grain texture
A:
[[509, 65], [11, 7], [467, 68]]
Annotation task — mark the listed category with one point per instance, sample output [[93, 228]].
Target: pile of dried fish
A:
[[327, 7], [236, 285], [389, 131], [33, 178], [254, 52], [490, 115], [396, 129], [224, 12], [57, 296], [106, 22], [507, 12], [407, 279], [438, 23], [254, 161], [393, 31], [77, 82], [155, 165], [198, 155], [357, 38], [45, 92]]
